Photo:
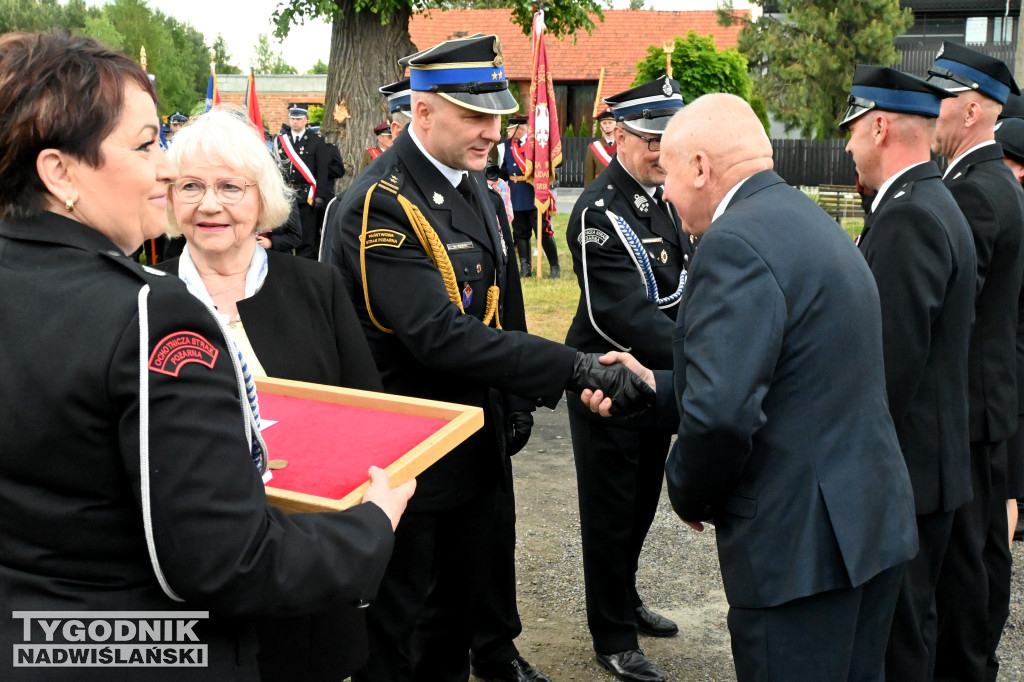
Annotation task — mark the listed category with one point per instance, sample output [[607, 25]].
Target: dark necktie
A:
[[465, 188], [659, 199]]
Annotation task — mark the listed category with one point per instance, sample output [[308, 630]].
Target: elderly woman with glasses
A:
[[126, 475], [290, 317]]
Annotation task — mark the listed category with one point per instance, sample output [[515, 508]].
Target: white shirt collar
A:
[[726, 199], [254, 278], [888, 183], [452, 175], [957, 159]]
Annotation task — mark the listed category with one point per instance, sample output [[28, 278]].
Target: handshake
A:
[[618, 387]]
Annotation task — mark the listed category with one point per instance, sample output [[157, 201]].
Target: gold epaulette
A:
[[432, 246]]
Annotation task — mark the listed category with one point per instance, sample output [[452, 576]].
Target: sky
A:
[[241, 24]]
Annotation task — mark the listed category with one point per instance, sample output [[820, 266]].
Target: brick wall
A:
[[274, 106]]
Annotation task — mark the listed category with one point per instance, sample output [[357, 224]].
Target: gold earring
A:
[[69, 205]]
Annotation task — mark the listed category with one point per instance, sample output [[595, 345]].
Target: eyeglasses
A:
[[653, 145], [227, 191]]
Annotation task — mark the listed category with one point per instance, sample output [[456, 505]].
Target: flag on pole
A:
[[252, 105], [543, 142], [212, 94]]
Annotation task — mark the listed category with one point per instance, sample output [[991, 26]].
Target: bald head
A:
[[965, 121], [708, 147]]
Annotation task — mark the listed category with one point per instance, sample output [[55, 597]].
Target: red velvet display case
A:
[[330, 436]]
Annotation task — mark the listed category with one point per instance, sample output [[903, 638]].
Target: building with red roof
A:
[[585, 66]]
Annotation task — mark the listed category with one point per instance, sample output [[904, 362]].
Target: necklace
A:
[[218, 293]]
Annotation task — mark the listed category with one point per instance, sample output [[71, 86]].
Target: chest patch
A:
[[384, 238], [592, 235], [176, 350]]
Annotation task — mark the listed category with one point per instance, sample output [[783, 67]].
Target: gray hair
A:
[[223, 135]]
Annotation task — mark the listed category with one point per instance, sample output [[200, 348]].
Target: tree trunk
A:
[[364, 56]]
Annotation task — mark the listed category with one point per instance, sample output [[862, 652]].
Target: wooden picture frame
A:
[[462, 421]]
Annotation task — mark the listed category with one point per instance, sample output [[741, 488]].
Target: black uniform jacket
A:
[[993, 203], [302, 325], [785, 438], [433, 350], [310, 148], [919, 248], [77, 439]]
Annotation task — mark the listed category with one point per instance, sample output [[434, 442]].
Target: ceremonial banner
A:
[[327, 437], [252, 105], [212, 94], [543, 141]]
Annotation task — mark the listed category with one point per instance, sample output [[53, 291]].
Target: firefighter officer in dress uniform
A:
[[399, 98], [304, 158], [427, 256], [600, 152], [382, 131], [630, 256]]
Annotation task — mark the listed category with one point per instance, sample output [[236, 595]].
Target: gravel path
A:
[[679, 577]]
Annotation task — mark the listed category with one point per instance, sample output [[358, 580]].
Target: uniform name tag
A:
[[384, 238], [177, 350], [459, 246], [652, 240], [592, 235]]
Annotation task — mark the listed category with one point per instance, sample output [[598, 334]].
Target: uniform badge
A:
[[641, 203], [898, 194], [176, 350], [592, 235], [384, 238], [467, 295], [998, 125], [599, 202], [438, 198], [666, 88], [154, 271], [663, 257], [479, 268]]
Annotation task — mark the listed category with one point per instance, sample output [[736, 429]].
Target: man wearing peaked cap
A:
[[427, 256], [629, 254], [601, 151], [973, 592], [921, 253], [304, 159], [382, 131], [399, 98]]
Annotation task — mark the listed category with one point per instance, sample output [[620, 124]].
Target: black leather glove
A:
[[629, 393], [518, 426], [319, 203]]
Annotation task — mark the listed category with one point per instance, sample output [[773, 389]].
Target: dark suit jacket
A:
[[785, 438], [73, 536], [431, 349], [993, 203], [311, 149], [302, 326], [919, 248]]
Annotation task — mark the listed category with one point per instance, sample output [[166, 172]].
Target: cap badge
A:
[[666, 88], [641, 203], [438, 198]]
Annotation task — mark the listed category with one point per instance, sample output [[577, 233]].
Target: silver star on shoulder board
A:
[[438, 198]]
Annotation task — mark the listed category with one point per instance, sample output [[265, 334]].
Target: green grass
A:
[[551, 303], [853, 226]]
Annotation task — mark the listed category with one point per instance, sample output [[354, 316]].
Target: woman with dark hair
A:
[[126, 467]]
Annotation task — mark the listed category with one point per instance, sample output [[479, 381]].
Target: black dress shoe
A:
[[654, 624], [556, 272], [516, 670], [630, 666]]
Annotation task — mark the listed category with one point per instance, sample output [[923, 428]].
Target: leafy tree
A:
[[805, 58], [315, 114], [319, 68], [268, 61], [222, 58], [636, 4], [102, 30], [700, 68], [369, 36]]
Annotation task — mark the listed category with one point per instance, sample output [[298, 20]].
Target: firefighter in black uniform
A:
[[305, 158], [434, 279], [629, 254]]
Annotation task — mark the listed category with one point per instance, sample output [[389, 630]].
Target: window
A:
[[1002, 30], [976, 30]]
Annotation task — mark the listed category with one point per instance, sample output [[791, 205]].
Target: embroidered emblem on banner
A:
[[176, 350], [641, 203], [592, 235], [384, 238]]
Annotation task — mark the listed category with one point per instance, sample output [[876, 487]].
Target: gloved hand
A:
[[319, 203], [518, 426], [629, 393]]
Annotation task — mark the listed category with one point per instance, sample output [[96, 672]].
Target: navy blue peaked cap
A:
[[469, 72], [879, 87], [647, 108], [958, 68], [399, 96]]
